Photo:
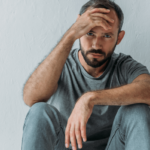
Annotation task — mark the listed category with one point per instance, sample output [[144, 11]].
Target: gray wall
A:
[[28, 32]]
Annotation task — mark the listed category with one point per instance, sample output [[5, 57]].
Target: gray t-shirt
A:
[[74, 81]]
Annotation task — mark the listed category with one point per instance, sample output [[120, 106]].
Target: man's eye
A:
[[88, 33], [107, 36]]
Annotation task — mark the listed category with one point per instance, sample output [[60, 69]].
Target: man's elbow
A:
[[30, 102]]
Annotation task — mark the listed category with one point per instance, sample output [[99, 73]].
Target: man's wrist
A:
[[70, 35], [91, 97]]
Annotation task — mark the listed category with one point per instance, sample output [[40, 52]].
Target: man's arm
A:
[[136, 92], [43, 81]]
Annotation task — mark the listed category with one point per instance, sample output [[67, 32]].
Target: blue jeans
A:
[[43, 129]]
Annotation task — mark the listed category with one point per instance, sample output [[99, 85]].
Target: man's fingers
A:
[[102, 23], [73, 137], [104, 16], [102, 10], [78, 136], [83, 131], [67, 136]]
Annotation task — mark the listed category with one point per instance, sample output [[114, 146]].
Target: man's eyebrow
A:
[[103, 33]]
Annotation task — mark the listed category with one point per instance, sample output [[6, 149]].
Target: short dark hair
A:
[[105, 4]]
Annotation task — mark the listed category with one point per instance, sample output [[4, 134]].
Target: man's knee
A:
[[41, 111], [131, 116], [136, 111], [40, 107]]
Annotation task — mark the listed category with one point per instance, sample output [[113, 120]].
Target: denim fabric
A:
[[131, 128], [43, 129]]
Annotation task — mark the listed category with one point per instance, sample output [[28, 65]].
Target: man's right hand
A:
[[90, 19]]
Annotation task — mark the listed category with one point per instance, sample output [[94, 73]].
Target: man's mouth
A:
[[96, 55]]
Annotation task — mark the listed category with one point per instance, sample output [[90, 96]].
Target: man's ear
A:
[[120, 36]]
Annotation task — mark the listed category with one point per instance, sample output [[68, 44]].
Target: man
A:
[[92, 93]]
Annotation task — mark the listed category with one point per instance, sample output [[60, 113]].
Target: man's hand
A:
[[76, 126], [90, 19]]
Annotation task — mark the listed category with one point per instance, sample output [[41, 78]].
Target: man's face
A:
[[95, 62], [100, 41]]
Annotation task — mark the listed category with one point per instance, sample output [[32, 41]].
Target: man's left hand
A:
[[76, 125]]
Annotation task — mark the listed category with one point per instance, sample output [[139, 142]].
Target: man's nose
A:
[[97, 43]]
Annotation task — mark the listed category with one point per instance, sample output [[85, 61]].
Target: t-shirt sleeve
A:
[[64, 73], [132, 69], [61, 75]]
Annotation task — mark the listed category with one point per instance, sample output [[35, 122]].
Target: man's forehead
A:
[[113, 15]]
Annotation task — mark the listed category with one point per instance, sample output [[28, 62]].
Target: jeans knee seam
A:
[[112, 137], [60, 121]]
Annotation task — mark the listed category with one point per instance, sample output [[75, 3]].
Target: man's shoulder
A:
[[121, 57], [127, 62]]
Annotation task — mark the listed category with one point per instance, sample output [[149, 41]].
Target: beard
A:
[[94, 62]]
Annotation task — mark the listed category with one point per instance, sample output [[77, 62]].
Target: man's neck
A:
[[95, 72]]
